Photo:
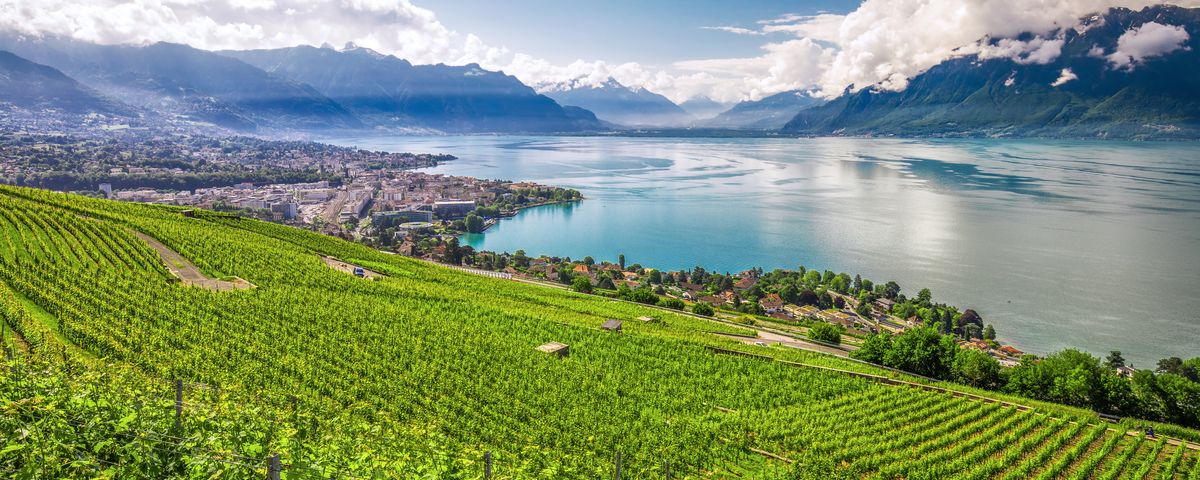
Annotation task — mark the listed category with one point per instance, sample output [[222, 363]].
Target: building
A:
[[404, 216], [453, 208], [771, 303], [285, 209], [107, 189]]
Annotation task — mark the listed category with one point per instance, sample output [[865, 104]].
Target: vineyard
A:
[[419, 372]]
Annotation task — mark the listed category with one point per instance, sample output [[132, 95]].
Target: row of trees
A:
[[1072, 377]]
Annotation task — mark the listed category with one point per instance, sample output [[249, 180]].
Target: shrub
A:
[[674, 303], [826, 332]]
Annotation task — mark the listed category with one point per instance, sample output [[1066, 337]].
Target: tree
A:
[[969, 316], [1189, 369], [606, 283], [923, 351], [812, 279], [1072, 377], [839, 303], [589, 261], [989, 332], [826, 332], [520, 260], [838, 284], [1114, 360], [673, 303], [643, 295], [564, 275], [924, 298], [977, 369], [473, 223], [807, 297], [655, 276], [621, 261], [874, 348], [703, 309], [581, 284], [891, 290], [863, 309], [972, 331]]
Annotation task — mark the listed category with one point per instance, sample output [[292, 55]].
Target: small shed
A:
[[189, 213], [646, 319], [554, 348], [612, 325]]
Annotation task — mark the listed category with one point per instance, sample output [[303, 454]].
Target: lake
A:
[[1093, 244]]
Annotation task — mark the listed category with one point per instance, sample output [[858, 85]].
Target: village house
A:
[[771, 304]]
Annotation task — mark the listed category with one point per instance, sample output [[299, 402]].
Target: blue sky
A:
[[654, 32]]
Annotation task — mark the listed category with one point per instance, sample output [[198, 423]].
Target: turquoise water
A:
[[1058, 243]]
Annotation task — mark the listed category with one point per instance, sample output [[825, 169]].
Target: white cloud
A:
[[1037, 50], [1064, 77], [737, 30], [888, 41], [883, 43], [1149, 40], [393, 26]]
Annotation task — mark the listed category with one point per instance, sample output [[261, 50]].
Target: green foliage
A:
[[412, 375], [473, 223], [703, 309], [977, 369], [672, 303], [1072, 377], [581, 284], [826, 332]]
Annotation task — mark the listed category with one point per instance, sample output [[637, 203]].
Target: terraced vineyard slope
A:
[[421, 370]]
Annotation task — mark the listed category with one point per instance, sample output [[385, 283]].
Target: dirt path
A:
[[187, 272], [770, 337], [348, 268]]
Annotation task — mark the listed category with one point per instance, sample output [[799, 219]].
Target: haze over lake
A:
[[1058, 243]]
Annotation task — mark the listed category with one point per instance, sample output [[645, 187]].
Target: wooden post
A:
[[618, 476], [487, 465], [667, 467], [273, 467], [178, 403]]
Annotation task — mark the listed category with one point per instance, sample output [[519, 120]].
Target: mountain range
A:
[[384, 90], [768, 113], [303, 88], [1120, 74], [1089, 90], [703, 107], [33, 86], [613, 102]]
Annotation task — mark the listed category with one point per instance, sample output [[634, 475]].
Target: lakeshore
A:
[[1030, 233]]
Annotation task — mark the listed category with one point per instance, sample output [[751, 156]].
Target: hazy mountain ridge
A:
[[386, 91], [192, 83], [768, 113], [611, 101], [703, 107], [34, 86], [1082, 93]]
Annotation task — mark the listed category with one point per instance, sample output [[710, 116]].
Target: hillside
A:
[[1080, 93], [390, 92], [32, 86], [613, 102], [768, 113], [417, 373], [188, 83]]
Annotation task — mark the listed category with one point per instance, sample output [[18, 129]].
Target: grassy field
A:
[[420, 372]]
